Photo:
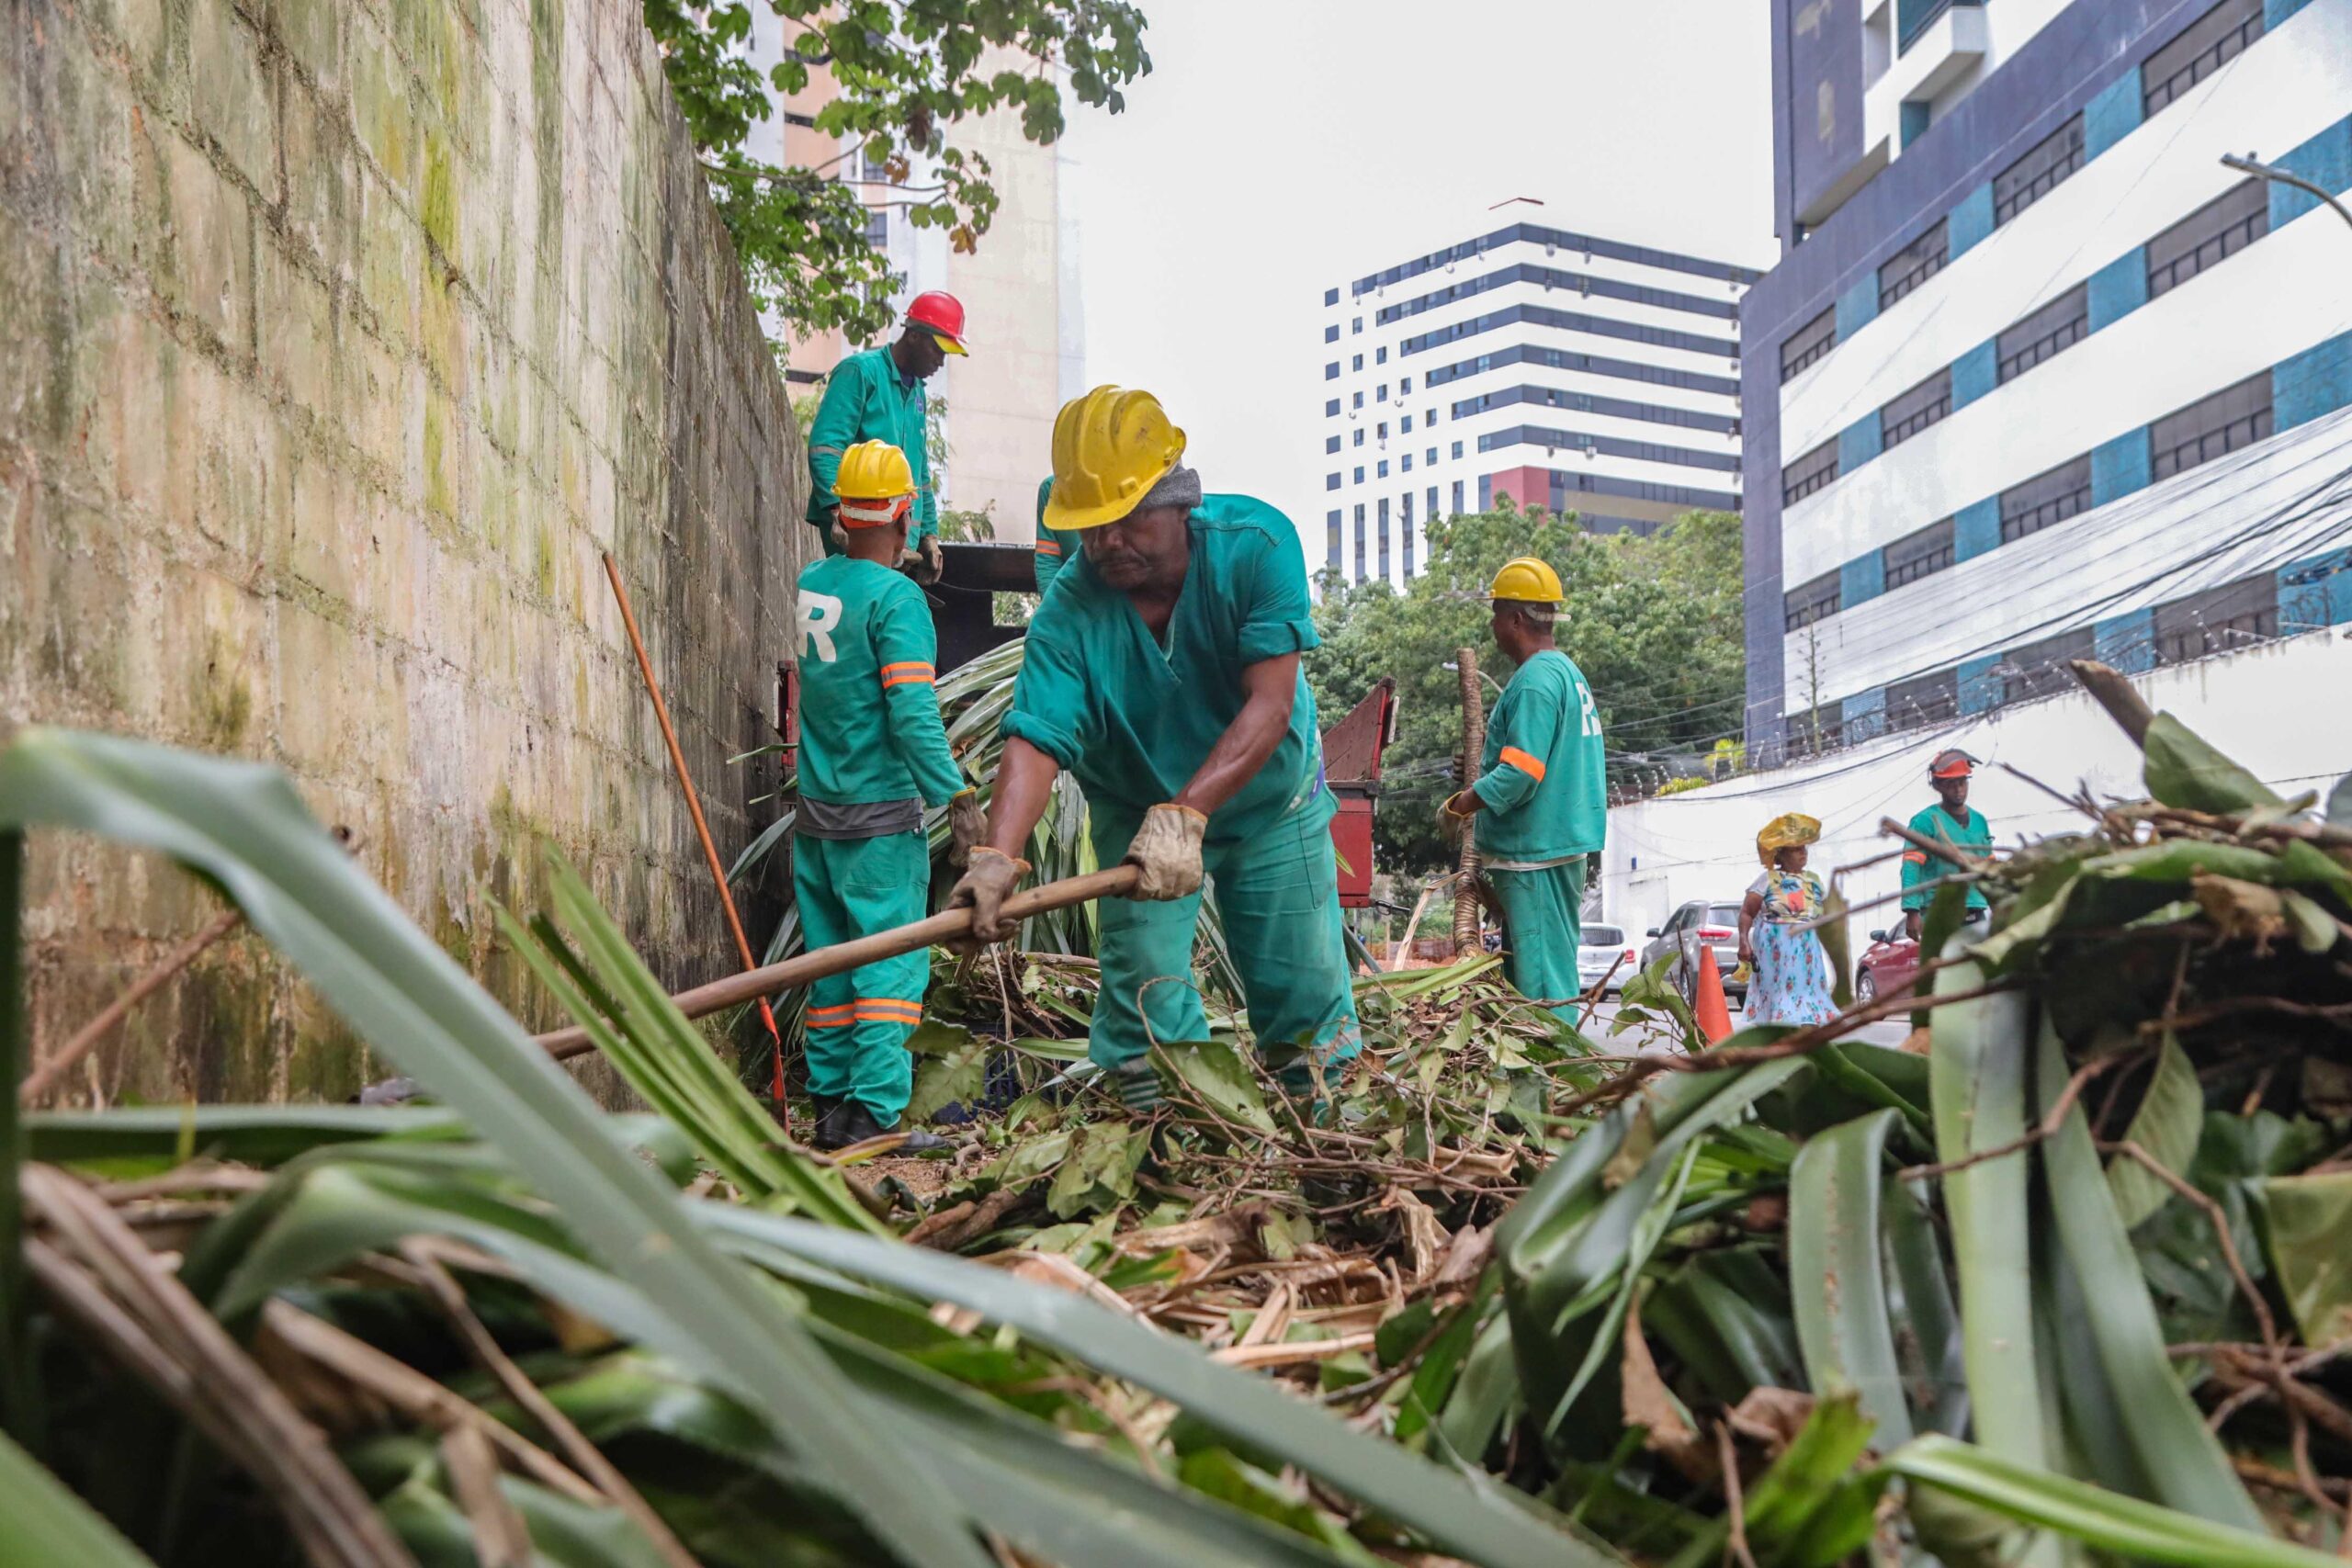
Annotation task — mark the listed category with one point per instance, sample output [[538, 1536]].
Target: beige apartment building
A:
[[1020, 295]]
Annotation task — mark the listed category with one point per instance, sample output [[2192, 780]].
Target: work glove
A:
[[927, 563], [983, 890], [1456, 814], [839, 535], [967, 824], [1167, 850]]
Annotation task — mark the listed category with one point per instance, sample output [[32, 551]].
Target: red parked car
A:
[[1889, 965]]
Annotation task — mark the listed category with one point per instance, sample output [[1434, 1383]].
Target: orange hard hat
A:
[[940, 314]]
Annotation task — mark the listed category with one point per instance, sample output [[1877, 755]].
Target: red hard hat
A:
[[938, 312]]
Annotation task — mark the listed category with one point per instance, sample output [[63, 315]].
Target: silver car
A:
[[1713, 924], [1602, 949]]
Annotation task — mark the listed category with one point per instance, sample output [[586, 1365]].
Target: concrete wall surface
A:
[[2273, 709], [338, 340]]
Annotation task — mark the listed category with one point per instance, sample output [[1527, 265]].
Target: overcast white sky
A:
[[1282, 147]]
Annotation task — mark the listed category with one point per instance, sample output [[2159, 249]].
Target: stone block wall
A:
[[338, 341]]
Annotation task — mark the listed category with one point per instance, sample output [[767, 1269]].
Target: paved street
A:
[[1646, 1036]]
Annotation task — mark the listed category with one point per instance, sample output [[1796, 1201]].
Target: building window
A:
[[1431, 513], [2222, 227], [1816, 730], [1358, 476], [1332, 371], [1331, 443], [1356, 438], [1359, 402], [2203, 47], [2060, 324], [1429, 419], [2038, 669], [1355, 324], [1915, 410], [1914, 264], [1380, 356], [1404, 511], [1405, 426], [1926, 700], [1802, 605], [2218, 619], [1331, 295], [1381, 396], [1382, 430], [2045, 499], [1331, 540], [1383, 536], [1918, 555], [878, 227], [1808, 344], [1457, 494], [1330, 481], [1359, 576], [1405, 387], [2234, 417], [1457, 449], [1406, 464], [1331, 334], [1355, 362], [2036, 174], [1430, 457], [1330, 408], [1809, 473], [1382, 472]]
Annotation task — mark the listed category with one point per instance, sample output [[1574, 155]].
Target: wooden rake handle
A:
[[755, 984]]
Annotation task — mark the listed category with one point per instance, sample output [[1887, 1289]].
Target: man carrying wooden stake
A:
[[1163, 671], [1543, 801], [873, 754]]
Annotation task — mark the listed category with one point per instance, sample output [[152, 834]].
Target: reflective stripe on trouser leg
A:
[[1145, 951], [1542, 923], [858, 1022], [1279, 894]]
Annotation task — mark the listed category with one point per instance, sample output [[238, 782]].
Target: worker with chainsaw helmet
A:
[[878, 395], [1162, 671], [1949, 821], [1541, 801], [872, 755]]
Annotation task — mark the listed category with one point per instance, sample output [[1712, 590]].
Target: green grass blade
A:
[[44, 1524], [2124, 1527], [243, 826], [1462, 1518], [1835, 1279]]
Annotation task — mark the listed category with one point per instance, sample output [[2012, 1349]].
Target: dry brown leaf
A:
[[1053, 1269], [1771, 1416], [501, 1538], [1426, 1241], [1290, 1355], [1465, 1257], [1646, 1401]]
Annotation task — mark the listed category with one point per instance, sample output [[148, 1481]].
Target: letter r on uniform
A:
[[820, 614]]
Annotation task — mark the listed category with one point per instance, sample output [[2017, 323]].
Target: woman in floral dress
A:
[[1792, 983]]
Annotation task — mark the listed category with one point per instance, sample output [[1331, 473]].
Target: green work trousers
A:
[[1279, 894], [858, 1022], [1542, 922]]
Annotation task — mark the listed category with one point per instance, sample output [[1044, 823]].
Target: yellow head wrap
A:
[[1786, 832]]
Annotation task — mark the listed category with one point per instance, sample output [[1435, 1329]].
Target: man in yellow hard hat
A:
[[873, 754], [1542, 803], [1162, 671], [878, 395]]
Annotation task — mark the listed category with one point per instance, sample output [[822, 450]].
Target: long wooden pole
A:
[[757, 984], [1473, 751], [702, 829]]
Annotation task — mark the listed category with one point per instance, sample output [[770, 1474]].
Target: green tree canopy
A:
[[1654, 622], [908, 72]]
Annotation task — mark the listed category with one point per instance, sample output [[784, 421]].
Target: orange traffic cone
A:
[[1707, 1003]]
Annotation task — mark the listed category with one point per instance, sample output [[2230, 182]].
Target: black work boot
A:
[[855, 1123], [828, 1114]]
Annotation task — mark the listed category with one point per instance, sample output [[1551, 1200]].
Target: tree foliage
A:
[[1655, 624], [908, 72]]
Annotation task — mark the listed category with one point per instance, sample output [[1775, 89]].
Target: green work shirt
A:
[[1055, 545], [1919, 867], [1133, 719], [870, 732], [1545, 783], [867, 399]]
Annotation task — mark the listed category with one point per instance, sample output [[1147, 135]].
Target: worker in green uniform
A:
[[1055, 545], [878, 395], [1541, 801], [1949, 821], [1162, 671], [873, 754]]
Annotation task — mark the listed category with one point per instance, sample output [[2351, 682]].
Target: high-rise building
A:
[[1019, 289], [2038, 375], [1561, 369]]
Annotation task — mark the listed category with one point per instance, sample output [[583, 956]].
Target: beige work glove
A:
[[967, 824], [983, 890], [1167, 850], [1456, 814]]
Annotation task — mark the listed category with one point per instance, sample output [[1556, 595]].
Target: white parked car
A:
[[1598, 947]]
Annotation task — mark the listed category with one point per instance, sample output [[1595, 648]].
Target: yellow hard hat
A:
[[874, 484], [1527, 581], [1110, 448]]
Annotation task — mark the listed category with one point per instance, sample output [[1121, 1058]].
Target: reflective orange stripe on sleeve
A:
[[1047, 547], [1915, 857], [1532, 767], [900, 674], [889, 1010]]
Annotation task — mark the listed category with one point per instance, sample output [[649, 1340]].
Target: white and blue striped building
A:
[[2038, 376]]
